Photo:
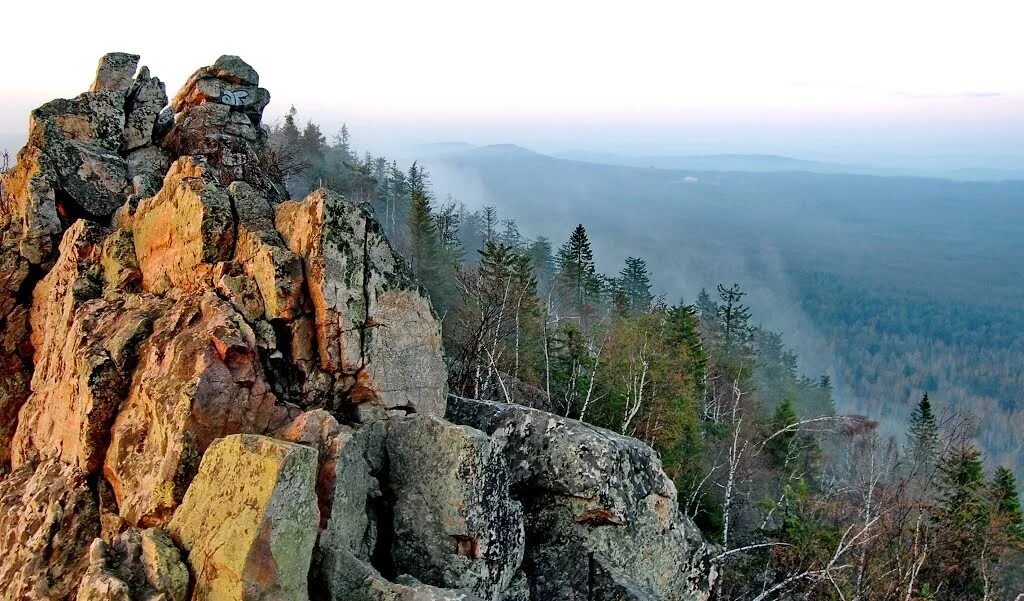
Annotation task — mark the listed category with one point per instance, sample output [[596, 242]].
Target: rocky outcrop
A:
[[372, 329], [600, 512], [455, 523], [198, 379], [208, 391]]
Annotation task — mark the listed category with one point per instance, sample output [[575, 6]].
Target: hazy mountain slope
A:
[[942, 262]]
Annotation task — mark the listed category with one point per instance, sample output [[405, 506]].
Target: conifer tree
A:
[[634, 285], [682, 332], [423, 236], [733, 320], [1006, 502], [962, 521], [923, 436], [577, 275], [543, 262], [781, 447]]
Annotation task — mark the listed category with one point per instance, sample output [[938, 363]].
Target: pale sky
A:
[[712, 76]]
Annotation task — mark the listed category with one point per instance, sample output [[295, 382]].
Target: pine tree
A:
[[634, 286], [577, 276]]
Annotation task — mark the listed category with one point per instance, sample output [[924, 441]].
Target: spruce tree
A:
[[634, 285], [543, 263], [923, 436], [734, 326], [781, 447], [426, 258], [577, 275], [1006, 502], [962, 521]]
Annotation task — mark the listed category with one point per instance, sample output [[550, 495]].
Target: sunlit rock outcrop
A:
[[210, 391]]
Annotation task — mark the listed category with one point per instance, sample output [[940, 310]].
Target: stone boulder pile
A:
[[211, 391]]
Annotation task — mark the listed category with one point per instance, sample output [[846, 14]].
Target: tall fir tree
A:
[[634, 286], [577, 275], [1006, 503], [734, 327], [543, 262], [923, 437], [962, 522]]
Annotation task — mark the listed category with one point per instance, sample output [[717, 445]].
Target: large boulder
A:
[[263, 255], [198, 379], [146, 98], [48, 519], [455, 524], [217, 114], [249, 520], [186, 227], [373, 330], [600, 512], [115, 72]]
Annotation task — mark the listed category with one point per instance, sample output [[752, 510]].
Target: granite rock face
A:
[[600, 512], [249, 520], [210, 391]]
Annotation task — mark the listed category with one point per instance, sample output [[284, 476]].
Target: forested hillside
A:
[[803, 500], [894, 286]]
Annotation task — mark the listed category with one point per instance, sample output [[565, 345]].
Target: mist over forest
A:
[[939, 262]]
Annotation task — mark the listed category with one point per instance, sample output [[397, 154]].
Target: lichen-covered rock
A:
[[115, 72], [455, 524], [353, 500], [137, 565], [85, 351], [79, 139], [198, 379], [217, 114], [263, 255], [48, 519], [249, 520], [146, 169], [375, 332], [600, 510], [146, 98], [182, 230]]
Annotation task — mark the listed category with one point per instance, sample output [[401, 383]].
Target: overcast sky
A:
[[821, 79]]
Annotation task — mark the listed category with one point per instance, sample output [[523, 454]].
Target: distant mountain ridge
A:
[[959, 169]]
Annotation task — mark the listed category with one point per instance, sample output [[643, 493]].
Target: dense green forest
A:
[[803, 501], [897, 344]]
